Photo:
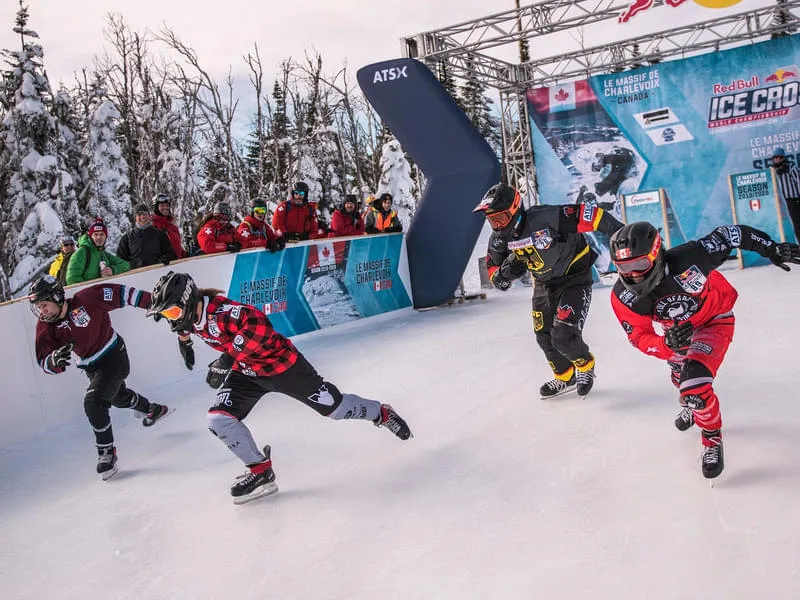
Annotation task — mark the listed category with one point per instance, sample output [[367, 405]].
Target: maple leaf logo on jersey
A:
[[564, 312], [561, 95]]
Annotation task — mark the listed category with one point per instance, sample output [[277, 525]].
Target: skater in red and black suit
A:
[[256, 360], [548, 241], [681, 290], [81, 324]]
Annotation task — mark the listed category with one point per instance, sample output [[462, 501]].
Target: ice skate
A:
[[257, 482], [713, 458], [557, 387], [157, 411], [107, 463], [685, 419], [584, 378], [393, 422]]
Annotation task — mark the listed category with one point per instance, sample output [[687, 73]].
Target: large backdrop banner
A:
[[683, 126]]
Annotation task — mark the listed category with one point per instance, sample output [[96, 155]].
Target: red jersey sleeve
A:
[[279, 219], [640, 332]]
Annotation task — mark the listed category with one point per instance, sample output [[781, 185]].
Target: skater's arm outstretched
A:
[[719, 243]]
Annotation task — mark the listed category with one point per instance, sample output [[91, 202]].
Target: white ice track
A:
[[498, 496]]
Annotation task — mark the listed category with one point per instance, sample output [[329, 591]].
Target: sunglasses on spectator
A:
[[172, 313], [68, 244], [299, 192], [260, 211]]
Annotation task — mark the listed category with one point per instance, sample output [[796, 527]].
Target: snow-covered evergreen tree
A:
[[396, 179], [34, 188], [478, 107], [106, 189]]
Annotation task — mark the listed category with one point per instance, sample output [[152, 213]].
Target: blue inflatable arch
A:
[[458, 164]]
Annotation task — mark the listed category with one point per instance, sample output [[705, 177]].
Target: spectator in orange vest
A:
[[254, 232], [382, 219], [296, 219], [217, 234], [162, 219], [346, 220]]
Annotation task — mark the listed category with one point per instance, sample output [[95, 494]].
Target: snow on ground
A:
[[499, 495]]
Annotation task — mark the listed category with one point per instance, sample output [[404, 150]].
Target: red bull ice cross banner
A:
[[638, 6], [683, 126]]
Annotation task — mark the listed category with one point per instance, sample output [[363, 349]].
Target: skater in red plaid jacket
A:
[[255, 360], [81, 325], [681, 290]]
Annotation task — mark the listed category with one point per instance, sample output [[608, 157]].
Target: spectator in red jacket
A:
[[346, 220], [254, 232], [296, 219], [217, 234], [162, 219]]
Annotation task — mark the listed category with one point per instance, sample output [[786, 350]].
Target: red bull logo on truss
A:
[[638, 6]]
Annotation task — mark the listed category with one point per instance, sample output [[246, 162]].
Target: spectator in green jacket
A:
[[91, 260]]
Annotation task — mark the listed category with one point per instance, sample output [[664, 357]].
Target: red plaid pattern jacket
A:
[[246, 334]]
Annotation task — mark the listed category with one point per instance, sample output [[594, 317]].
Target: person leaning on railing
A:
[[91, 260]]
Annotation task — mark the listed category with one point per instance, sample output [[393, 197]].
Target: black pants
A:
[[301, 381], [793, 206], [106, 389], [559, 313]]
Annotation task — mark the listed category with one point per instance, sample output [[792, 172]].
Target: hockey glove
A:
[[784, 253], [679, 335], [276, 245], [59, 358], [501, 283], [512, 268], [218, 370], [187, 352]]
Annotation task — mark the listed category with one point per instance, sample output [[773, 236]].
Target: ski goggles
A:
[[500, 220], [639, 265], [301, 193], [173, 313], [259, 210]]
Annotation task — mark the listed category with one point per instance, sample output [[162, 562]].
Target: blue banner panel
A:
[[682, 125], [324, 283], [458, 163]]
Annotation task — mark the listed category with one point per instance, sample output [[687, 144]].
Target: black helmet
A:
[[176, 290], [159, 199], [222, 208], [639, 257], [46, 287], [501, 206], [257, 203], [301, 188]]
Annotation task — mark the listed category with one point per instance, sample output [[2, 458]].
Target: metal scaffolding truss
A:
[[463, 47]]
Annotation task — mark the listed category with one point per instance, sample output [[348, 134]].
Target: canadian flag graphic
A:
[[562, 97], [325, 254]]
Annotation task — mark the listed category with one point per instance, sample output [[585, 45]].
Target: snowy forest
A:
[[147, 118]]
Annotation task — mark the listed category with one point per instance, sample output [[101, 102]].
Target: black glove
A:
[[164, 260], [783, 253], [276, 245], [512, 268], [233, 247], [218, 370], [679, 335], [59, 358], [187, 352], [501, 283]]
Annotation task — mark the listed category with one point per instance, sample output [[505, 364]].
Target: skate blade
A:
[[564, 393], [105, 476], [264, 490]]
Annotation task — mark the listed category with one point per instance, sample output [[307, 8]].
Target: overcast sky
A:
[[359, 31]]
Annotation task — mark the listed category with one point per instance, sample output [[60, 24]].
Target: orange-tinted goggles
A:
[[500, 219], [640, 264], [173, 313]]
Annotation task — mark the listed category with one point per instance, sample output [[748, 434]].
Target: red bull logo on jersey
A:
[[637, 6]]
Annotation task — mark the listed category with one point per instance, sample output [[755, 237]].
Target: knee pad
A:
[[219, 423], [696, 385], [563, 338]]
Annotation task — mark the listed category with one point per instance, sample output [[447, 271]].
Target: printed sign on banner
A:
[[319, 284], [756, 202]]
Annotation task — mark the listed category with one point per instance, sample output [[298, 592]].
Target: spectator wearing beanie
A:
[[91, 260], [383, 219], [346, 220], [59, 267], [162, 219], [145, 245]]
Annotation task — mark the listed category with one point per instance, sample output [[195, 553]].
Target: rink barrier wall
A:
[[33, 402]]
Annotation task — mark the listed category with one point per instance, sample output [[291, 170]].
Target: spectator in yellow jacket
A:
[[59, 267]]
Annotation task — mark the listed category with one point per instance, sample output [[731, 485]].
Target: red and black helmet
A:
[[638, 254]]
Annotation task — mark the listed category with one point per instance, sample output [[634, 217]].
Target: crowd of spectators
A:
[[155, 239]]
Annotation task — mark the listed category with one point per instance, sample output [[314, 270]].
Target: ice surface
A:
[[498, 496]]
